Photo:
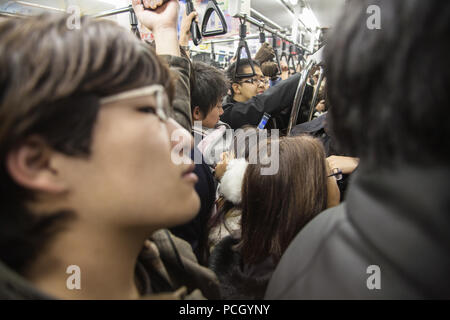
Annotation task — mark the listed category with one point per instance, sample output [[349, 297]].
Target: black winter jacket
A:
[[398, 220], [162, 268], [273, 101], [237, 280], [196, 231]]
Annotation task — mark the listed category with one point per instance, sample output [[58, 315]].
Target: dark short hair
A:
[[232, 72], [51, 82], [270, 69], [386, 104], [210, 87]]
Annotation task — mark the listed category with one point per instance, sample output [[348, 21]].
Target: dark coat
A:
[[162, 268], [316, 128], [181, 69], [196, 231], [273, 101], [239, 281], [397, 220]]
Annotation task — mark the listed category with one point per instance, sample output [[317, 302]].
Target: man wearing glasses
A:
[[249, 100]]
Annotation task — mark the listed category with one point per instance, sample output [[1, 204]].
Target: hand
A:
[[221, 167], [161, 18], [333, 192], [346, 164], [284, 70], [185, 29], [284, 66], [153, 4], [321, 106]]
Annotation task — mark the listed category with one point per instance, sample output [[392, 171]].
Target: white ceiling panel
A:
[[86, 6], [275, 11], [326, 11]]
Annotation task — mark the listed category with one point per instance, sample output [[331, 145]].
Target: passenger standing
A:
[[210, 141], [274, 209], [249, 99], [390, 239], [88, 175]]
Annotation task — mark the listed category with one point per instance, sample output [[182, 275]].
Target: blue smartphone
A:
[[264, 121]]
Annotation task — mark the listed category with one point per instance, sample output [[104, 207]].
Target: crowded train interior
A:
[[224, 150]]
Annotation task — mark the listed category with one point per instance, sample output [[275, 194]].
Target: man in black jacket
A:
[[249, 100], [391, 238]]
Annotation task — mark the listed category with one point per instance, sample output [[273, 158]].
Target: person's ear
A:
[[197, 114], [30, 165], [236, 88]]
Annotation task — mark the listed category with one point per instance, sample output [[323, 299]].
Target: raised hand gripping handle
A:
[[195, 30]]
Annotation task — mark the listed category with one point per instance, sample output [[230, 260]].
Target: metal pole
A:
[[251, 37], [299, 96], [35, 5], [98, 15], [11, 15], [316, 94], [112, 12], [265, 19]]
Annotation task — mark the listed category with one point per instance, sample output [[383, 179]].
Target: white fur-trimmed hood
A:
[[231, 183]]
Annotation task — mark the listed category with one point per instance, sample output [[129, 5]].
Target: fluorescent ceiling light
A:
[[308, 18]]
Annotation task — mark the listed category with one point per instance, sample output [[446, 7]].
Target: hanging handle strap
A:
[[195, 30], [277, 56], [210, 9], [291, 61], [262, 35], [243, 45]]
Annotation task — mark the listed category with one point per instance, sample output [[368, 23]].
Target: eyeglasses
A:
[[155, 90], [253, 80], [337, 173]]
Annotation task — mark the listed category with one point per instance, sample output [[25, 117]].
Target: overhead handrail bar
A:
[[234, 39], [112, 12], [259, 24], [11, 15], [265, 19], [40, 6]]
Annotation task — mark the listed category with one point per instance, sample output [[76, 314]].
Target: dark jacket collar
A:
[[228, 102], [237, 280], [14, 287]]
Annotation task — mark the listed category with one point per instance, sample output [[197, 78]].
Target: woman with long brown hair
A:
[[274, 209]]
